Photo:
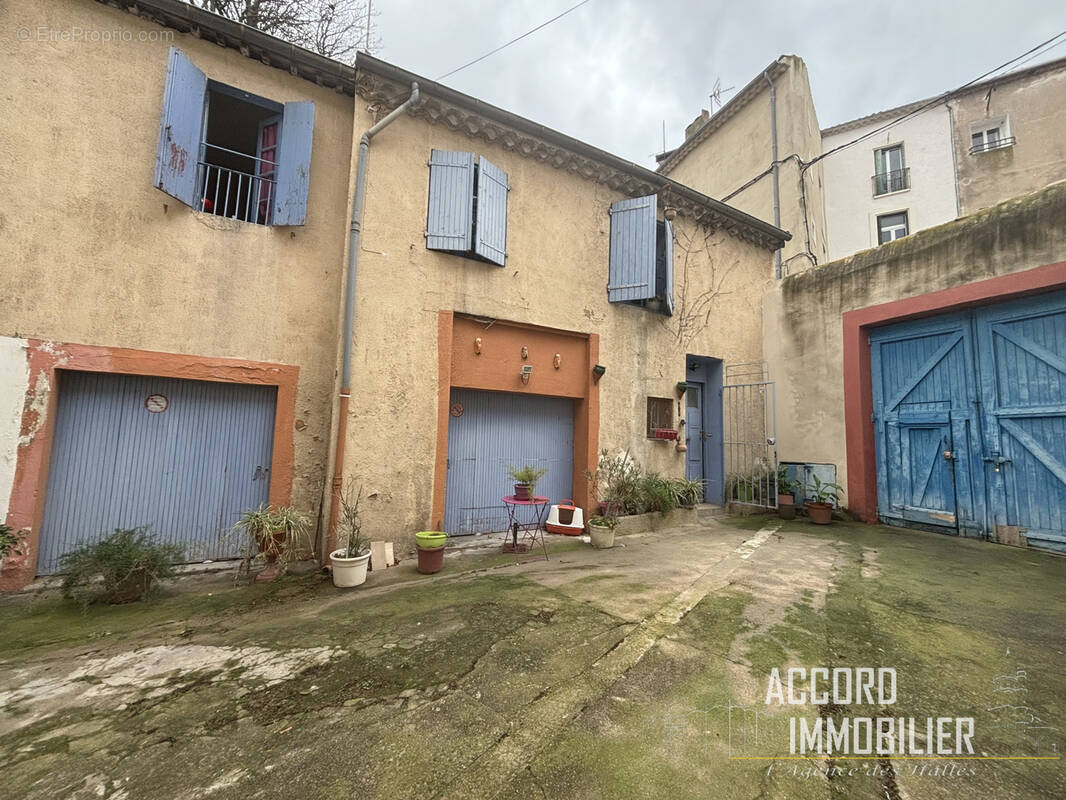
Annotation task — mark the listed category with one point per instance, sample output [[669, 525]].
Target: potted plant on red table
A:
[[525, 480]]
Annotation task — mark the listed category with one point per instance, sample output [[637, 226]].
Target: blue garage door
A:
[[185, 457], [491, 431], [970, 419]]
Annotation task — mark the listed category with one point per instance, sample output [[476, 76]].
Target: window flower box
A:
[[665, 433]]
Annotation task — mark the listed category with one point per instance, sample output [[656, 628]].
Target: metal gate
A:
[[970, 421], [491, 431], [185, 457], [749, 408]]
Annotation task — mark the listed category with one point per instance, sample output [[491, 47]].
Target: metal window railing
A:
[[893, 181], [237, 194], [993, 144]]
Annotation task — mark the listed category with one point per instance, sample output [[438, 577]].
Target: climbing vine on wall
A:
[[696, 299]]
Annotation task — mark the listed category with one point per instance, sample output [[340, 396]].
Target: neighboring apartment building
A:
[[945, 157], [176, 267]]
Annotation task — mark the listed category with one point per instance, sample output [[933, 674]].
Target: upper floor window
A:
[[990, 134], [890, 172], [231, 153], [641, 267], [467, 207], [892, 226]]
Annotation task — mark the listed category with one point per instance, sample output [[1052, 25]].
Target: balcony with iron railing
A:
[[246, 195], [893, 181], [992, 144]]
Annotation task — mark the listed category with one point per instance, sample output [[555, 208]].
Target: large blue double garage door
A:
[[970, 421]]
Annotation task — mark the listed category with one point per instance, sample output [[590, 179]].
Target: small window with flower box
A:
[[660, 417]]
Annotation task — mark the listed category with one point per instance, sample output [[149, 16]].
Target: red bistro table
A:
[[532, 528]]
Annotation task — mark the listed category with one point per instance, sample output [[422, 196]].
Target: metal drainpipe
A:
[[774, 168], [349, 311]]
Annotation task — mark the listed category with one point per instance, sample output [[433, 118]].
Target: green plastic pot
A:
[[430, 538]]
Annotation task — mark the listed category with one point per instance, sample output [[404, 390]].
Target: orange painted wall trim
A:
[[445, 321], [497, 368], [26, 509]]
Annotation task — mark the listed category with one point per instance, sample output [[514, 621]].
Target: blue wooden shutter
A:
[[180, 129], [491, 212], [631, 274], [668, 292], [294, 164], [449, 225]]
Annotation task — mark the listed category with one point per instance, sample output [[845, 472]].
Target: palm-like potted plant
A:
[[786, 500], [349, 561], [525, 480], [821, 499], [278, 534]]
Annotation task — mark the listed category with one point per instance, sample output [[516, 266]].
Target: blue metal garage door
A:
[[185, 457], [490, 431], [970, 420]]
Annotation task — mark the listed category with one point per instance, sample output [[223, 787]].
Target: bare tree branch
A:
[[693, 311], [333, 28]]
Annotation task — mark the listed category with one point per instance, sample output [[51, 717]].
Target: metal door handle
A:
[[949, 455]]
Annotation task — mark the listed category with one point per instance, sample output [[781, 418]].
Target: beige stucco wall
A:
[[94, 254], [1036, 108], [802, 316], [556, 276], [740, 149]]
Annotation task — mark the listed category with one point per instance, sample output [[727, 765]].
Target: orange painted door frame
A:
[[26, 509], [490, 356]]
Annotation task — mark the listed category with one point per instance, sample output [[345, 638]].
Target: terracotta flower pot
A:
[[430, 559], [786, 511], [821, 513], [523, 491]]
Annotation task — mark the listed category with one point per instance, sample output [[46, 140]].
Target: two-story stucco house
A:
[[235, 276]]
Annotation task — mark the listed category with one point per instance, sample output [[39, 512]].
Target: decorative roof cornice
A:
[[386, 86]]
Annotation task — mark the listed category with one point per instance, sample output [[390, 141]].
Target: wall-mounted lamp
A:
[[477, 346], [597, 372], [682, 387], [558, 360], [527, 370]]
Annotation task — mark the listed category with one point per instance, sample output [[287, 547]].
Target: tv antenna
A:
[[716, 94]]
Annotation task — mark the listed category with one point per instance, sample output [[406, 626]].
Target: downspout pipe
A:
[[358, 200], [774, 168]]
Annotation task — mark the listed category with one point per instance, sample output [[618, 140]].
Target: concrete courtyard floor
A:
[[631, 673]]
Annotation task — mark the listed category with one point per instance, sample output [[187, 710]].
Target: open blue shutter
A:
[[491, 212], [668, 292], [180, 129], [449, 225], [631, 275], [294, 164]]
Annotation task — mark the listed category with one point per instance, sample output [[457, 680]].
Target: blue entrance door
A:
[[184, 457], [491, 431], [1022, 348], [970, 420], [924, 393], [694, 435]]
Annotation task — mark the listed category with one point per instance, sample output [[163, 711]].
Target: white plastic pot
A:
[[601, 537], [348, 572]]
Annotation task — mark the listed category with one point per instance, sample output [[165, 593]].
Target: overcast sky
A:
[[610, 72]]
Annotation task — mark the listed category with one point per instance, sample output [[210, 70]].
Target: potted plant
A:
[[349, 561], [279, 534], [123, 567], [821, 499], [601, 531], [525, 480], [11, 542], [430, 546], [786, 500]]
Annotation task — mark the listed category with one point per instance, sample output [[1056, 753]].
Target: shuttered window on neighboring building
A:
[[467, 213], [254, 165], [641, 263], [660, 414]]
